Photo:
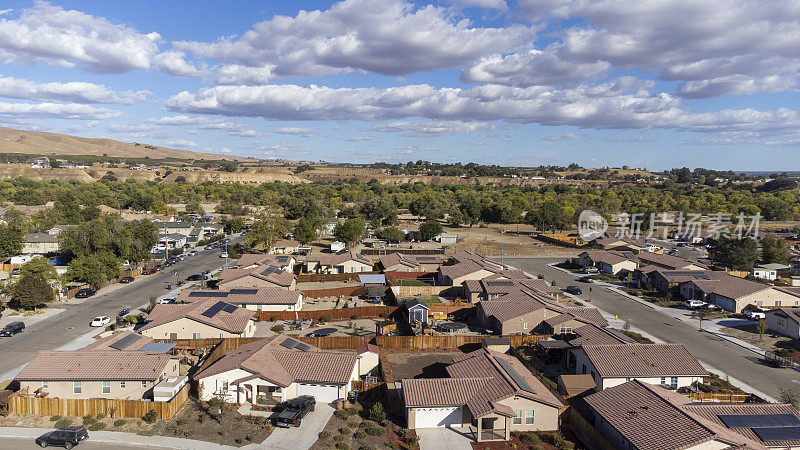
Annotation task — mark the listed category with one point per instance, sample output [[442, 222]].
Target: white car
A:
[[223, 255], [166, 300], [694, 304], [754, 314], [100, 321]]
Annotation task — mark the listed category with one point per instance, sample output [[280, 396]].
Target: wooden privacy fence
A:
[[351, 342], [395, 275], [347, 291], [718, 397], [588, 435], [407, 251], [312, 277], [363, 312], [20, 403]]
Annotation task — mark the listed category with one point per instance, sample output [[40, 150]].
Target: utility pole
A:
[[226, 248]]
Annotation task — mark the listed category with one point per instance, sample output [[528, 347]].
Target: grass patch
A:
[[413, 283]]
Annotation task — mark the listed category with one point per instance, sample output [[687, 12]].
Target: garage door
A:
[[438, 417], [321, 392]]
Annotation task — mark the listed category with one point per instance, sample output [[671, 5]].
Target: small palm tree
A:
[[761, 327]]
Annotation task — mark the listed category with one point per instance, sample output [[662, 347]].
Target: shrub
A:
[[325, 435], [277, 328], [367, 447], [352, 424], [55, 418], [530, 439], [272, 318], [359, 434], [338, 437], [97, 426], [325, 318], [342, 446], [120, 422], [557, 440], [344, 430], [377, 413], [88, 420], [342, 414], [374, 431], [354, 316], [353, 411], [63, 423], [150, 417]]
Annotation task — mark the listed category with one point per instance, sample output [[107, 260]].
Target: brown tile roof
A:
[[267, 272], [243, 296], [233, 322], [268, 359], [94, 365], [667, 261], [105, 343], [516, 304], [462, 269], [651, 418], [335, 260], [440, 391], [577, 384], [711, 412], [587, 314], [721, 283], [363, 348], [591, 334], [791, 313], [609, 257], [394, 259], [559, 319], [643, 360], [472, 286], [251, 259]]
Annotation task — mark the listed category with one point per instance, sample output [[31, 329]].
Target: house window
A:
[[175, 367], [122, 385], [663, 380], [106, 389], [220, 336], [517, 417], [195, 335], [224, 386], [674, 382], [44, 384], [781, 321], [144, 384], [525, 326], [76, 387], [627, 379], [258, 307], [777, 303], [529, 417], [566, 330]]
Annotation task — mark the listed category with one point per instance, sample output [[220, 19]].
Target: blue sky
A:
[[655, 84]]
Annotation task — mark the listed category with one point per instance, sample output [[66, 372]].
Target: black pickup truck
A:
[[296, 409]]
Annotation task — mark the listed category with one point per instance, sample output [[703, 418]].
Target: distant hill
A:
[[41, 143]]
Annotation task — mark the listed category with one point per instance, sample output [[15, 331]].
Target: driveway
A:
[[303, 436], [444, 438]]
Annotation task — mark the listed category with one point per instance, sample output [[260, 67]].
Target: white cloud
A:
[[174, 63], [76, 92], [3, 12], [499, 5], [67, 38], [737, 85], [389, 37], [563, 137], [305, 132], [225, 150], [360, 138], [57, 111], [431, 128], [243, 75], [208, 124], [620, 104], [181, 143]]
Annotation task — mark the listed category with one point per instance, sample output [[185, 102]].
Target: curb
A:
[[116, 437]]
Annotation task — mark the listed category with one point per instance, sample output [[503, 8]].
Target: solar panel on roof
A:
[[213, 310], [289, 343], [125, 342], [512, 372], [270, 270], [208, 294], [303, 347], [244, 291], [228, 308], [778, 434], [759, 420]]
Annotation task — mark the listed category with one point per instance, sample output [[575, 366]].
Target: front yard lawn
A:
[[413, 283]]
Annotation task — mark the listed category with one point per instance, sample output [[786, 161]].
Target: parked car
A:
[[166, 300], [754, 314], [182, 258], [100, 321], [66, 437], [126, 280], [12, 329], [710, 307], [591, 269], [196, 277], [193, 253], [125, 311], [15, 271], [694, 304], [187, 246], [223, 255], [574, 290], [209, 247], [85, 293], [295, 410], [586, 279], [149, 271]]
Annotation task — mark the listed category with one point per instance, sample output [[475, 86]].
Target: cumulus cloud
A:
[[305, 132], [57, 111], [181, 143], [499, 5], [431, 128], [388, 37], [243, 75], [619, 104], [175, 63], [208, 124], [75, 92], [68, 38], [360, 138], [563, 137]]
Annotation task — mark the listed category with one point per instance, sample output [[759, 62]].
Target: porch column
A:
[[480, 424], [508, 429]]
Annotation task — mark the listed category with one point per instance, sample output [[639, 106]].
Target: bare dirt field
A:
[[769, 341], [420, 365]]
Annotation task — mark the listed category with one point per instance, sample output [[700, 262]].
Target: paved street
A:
[[719, 353], [59, 330], [29, 444]]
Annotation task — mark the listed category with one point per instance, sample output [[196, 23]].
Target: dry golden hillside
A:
[[41, 143]]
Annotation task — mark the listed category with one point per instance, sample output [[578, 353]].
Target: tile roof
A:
[[268, 359], [668, 261], [587, 314], [363, 348], [243, 296], [651, 418], [462, 269], [472, 286], [516, 304], [233, 322], [592, 334], [136, 341], [711, 412], [791, 313], [335, 260], [267, 272], [643, 360], [440, 391], [94, 365], [721, 283], [394, 259], [608, 257], [40, 238]]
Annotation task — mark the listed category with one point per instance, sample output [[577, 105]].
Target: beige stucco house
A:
[[733, 293], [348, 262], [256, 277], [254, 299], [198, 320], [39, 244], [785, 321]]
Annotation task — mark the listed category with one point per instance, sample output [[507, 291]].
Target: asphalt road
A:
[[60, 329], [725, 356], [29, 444]]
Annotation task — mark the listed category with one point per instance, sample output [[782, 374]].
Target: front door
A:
[[173, 335]]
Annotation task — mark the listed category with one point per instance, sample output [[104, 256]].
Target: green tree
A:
[[736, 254], [268, 227], [391, 234], [761, 327], [305, 230], [774, 250], [350, 230], [549, 217], [39, 267], [470, 206], [94, 269], [379, 211], [429, 230], [32, 291], [10, 241], [194, 207], [233, 224]]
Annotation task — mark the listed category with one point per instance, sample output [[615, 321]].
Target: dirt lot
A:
[[364, 327], [199, 420], [770, 341], [352, 427], [420, 365], [129, 425], [491, 241]]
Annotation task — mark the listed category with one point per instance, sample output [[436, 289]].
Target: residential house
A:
[[285, 247], [368, 359], [637, 415], [88, 374], [172, 240], [182, 228], [251, 260], [55, 230], [39, 244], [254, 299], [210, 318], [668, 262], [608, 242], [349, 262], [784, 321], [276, 369], [663, 280], [488, 390], [669, 365], [456, 274], [525, 312], [400, 262], [733, 293], [256, 277], [493, 287], [771, 271], [611, 262]]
